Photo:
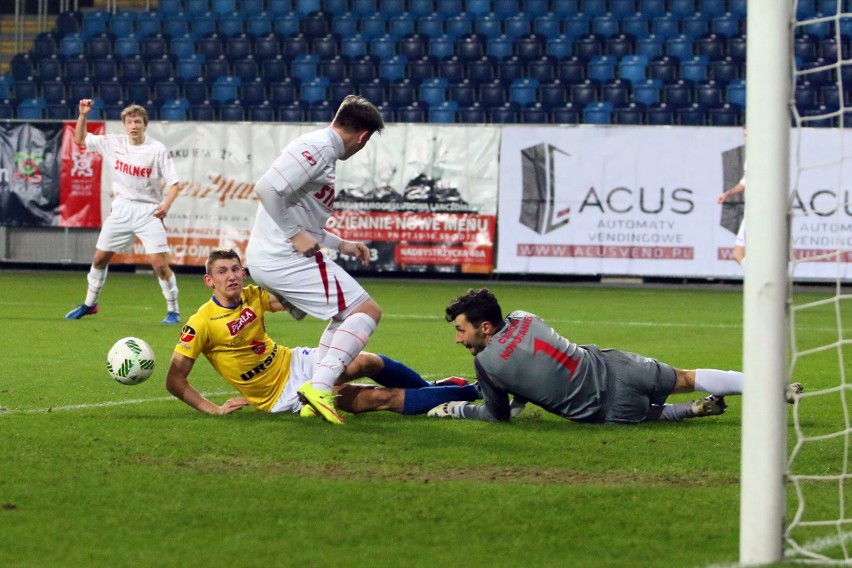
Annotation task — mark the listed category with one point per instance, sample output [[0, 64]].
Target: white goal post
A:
[[764, 423]]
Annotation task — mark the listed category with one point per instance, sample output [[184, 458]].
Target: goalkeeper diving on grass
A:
[[523, 357], [229, 330]]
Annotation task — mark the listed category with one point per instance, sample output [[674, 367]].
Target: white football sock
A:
[[720, 383], [170, 292], [96, 279], [346, 342]]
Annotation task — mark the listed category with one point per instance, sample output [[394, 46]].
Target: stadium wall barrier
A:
[[636, 201]]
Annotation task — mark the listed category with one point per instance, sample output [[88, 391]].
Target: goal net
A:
[[819, 472]]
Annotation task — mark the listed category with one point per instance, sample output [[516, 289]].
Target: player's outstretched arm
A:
[[80, 127], [177, 383]]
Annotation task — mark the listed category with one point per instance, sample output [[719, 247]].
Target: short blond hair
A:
[[135, 110]]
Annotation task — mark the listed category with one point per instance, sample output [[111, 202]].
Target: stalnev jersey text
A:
[[235, 342]]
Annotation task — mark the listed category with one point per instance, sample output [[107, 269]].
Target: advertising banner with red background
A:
[[80, 180]]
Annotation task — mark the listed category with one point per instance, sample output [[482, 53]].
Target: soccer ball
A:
[[130, 361]]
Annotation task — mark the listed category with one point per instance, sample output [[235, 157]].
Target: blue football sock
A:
[[420, 401], [398, 376]]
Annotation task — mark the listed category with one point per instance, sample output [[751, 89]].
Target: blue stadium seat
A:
[[727, 25], [196, 90], [616, 92], [637, 26], [602, 68], [805, 48], [680, 46], [131, 69], [375, 91], [411, 113], [292, 113], [710, 46], [232, 112], [336, 69], [652, 8], [68, 22], [499, 47], [210, 47], [383, 47], [452, 69], [266, 47], [419, 70], [363, 69], [735, 93], [98, 46], [238, 47], [283, 93], [304, 67], [225, 7], [805, 96], [724, 71], [564, 8], [598, 113], [576, 25], [252, 92], [402, 92], [200, 25], [306, 7], [259, 25], [678, 95], [664, 68], [524, 92], [147, 24], [295, 45], [534, 114], [71, 44], [572, 70], [373, 25], [736, 47], [492, 94], [559, 47], [7, 109], [458, 24], [195, 8], [665, 26], [280, 8], [94, 23], [165, 90], [695, 26], [713, 8], [83, 89], [430, 26], [353, 47], [692, 115], [339, 90], [622, 8], [61, 111], [547, 26], [225, 89], [553, 94], [275, 69], [584, 93], [175, 109], [517, 26], [393, 69], [659, 114], [421, 8], [588, 46], [443, 113], [647, 92], [314, 91], [470, 48], [402, 25], [315, 25], [542, 69], [287, 25], [709, 94], [681, 8], [606, 25], [53, 90], [738, 7], [830, 97], [595, 8], [433, 91], [396, 7], [247, 68], [76, 69], [478, 8], [48, 68], [25, 89], [413, 46], [694, 69], [154, 47], [633, 68], [529, 48], [231, 24], [632, 114], [567, 114], [488, 26], [160, 69], [510, 69], [464, 94], [252, 8], [620, 45], [724, 115], [481, 71], [263, 112], [506, 114], [441, 47], [111, 91], [650, 46], [45, 44]]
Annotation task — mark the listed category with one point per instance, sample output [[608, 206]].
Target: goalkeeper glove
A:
[[452, 409]]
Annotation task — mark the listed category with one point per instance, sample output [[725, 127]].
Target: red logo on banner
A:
[[79, 180]]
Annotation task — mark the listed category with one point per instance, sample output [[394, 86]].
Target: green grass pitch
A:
[[94, 473]]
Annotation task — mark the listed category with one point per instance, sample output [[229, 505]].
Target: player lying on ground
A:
[[524, 357], [229, 330]]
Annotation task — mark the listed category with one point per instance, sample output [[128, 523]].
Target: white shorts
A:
[[133, 218], [740, 241], [314, 284], [301, 370]]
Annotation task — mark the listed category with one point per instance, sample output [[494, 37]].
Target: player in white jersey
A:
[[284, 250], [524, 357], [739, 244], [141, 167]]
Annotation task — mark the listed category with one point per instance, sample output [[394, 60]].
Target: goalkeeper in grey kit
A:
[[524, 357]]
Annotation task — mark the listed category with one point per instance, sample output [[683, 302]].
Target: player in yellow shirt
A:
[[229, 331]]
